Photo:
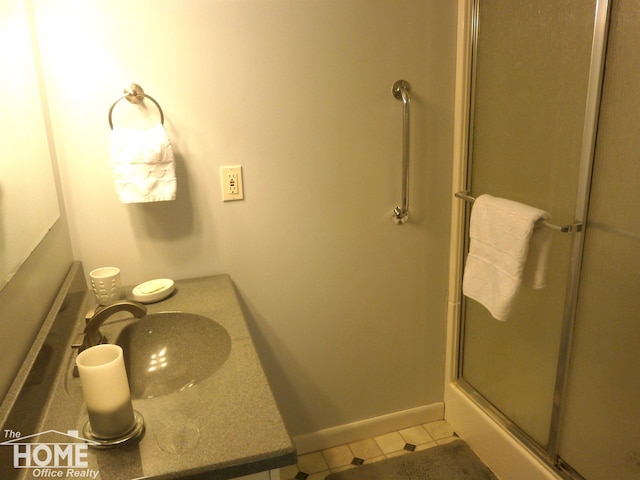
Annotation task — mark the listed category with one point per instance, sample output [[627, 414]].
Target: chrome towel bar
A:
[[571, 228], [401, 90], [135, 94]]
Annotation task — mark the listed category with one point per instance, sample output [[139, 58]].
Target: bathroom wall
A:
[[348, 309], [26, 299]]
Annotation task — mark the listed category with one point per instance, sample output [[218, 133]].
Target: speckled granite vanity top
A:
[[226, 425]]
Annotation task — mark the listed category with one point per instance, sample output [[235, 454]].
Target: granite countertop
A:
[[227, 425]]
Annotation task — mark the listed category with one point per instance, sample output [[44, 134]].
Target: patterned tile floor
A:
[[317, 465]]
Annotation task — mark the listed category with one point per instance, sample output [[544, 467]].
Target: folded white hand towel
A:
[[143, 165], [509, 244]]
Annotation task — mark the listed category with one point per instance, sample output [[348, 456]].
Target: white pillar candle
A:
[[106, 390]]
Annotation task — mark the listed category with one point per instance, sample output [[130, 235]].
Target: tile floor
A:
[[317, 465]]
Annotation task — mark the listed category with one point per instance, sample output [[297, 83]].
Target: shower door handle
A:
[[400, 91]]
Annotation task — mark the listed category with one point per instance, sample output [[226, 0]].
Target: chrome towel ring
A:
[[135, 94], [401, 90]]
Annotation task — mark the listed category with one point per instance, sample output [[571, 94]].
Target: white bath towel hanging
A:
[[143, 165], [509, 244]]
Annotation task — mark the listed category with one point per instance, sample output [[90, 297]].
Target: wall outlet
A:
[[232, 188]]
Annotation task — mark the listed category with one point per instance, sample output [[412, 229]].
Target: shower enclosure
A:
[[549, 126]]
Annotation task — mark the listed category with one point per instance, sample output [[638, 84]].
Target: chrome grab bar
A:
[[571, 228], [401, 90]]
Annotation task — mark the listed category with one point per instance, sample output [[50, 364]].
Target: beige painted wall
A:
[[348, 308]]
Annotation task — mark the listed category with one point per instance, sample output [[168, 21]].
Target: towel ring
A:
[[135, 94]]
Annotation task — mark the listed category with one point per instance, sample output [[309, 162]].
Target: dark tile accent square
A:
[[410, 447], [301, 476], [357, 461]]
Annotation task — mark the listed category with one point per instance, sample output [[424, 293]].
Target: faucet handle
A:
[[77, 342], [92, 311]]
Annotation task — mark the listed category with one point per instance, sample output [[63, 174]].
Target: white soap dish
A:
[[153, 290]]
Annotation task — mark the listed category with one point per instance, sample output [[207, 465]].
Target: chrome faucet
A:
[[93, 336]]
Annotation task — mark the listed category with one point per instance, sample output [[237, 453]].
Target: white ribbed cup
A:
[[106, 390], [105, 283]]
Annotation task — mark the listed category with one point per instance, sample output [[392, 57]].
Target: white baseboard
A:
[[370, 427]]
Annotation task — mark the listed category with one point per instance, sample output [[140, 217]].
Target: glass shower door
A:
[[600, 430], [532, 63]]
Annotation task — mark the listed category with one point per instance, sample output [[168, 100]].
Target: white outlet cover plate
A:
[[231, 182]]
